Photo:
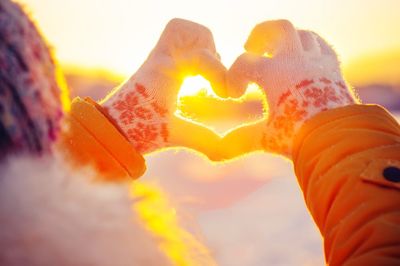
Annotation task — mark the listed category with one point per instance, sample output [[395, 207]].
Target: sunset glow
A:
[[197, 102], [192, 85], [174, 148], [117, 35]]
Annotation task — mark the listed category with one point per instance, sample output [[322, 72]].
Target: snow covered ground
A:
[[250, 211]]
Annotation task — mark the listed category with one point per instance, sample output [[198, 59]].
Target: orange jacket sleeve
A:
[[347, 162], [90, 137]]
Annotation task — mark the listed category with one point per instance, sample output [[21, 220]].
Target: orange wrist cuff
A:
[[90, 137]]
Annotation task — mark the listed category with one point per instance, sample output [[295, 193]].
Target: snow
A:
[[251, 210]]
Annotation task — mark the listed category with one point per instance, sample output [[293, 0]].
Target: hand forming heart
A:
[[144, 107], [300, 77]]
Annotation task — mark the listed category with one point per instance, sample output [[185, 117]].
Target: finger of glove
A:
[[248, 68], [200, 139], [325, 47], [309, 42], [273, 38], [206, 64], [242, 140], [181, 36]]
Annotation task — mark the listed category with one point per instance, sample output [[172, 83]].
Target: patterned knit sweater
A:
[[30, 106]]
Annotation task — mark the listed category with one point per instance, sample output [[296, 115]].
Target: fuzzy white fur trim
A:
[[52, 215]]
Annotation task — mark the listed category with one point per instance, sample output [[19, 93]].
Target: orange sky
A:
[[118, 34]]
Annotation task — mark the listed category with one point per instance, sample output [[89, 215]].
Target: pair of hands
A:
[[297, 70]]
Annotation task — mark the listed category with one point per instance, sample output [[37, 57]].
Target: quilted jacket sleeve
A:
[[347, 162]]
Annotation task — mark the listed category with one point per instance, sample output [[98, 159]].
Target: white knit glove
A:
[[144, 106], [300, 75]]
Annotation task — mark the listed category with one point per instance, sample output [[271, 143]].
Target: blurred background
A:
[[250, 211]]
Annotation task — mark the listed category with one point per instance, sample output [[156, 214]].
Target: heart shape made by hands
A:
[[198, 103]]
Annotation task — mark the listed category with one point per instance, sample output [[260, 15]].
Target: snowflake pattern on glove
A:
[[297, 105], [143, 120]]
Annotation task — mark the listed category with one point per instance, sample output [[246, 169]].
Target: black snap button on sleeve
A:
[[392, 174]]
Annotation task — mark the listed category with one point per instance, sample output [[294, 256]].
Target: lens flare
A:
[[157, 215], [64, 91]]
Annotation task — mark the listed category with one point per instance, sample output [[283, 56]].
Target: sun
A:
[[192, 85]]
